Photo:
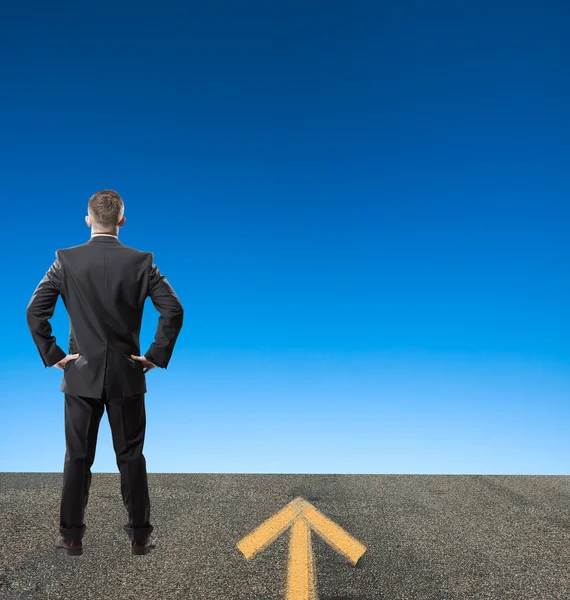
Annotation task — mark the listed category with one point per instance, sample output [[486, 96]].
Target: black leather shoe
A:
[[72, 547], [143, 546]]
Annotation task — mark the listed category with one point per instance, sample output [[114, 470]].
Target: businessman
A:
[[103, 284]]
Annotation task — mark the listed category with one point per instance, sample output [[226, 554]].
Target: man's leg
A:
[[127, 418], [82, 418]]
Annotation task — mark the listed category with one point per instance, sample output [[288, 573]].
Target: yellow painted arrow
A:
[[301, 516]]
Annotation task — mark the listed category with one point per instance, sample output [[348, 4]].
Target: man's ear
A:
[[87, 220], [122, 221]]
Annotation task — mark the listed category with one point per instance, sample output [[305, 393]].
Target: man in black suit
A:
[[104, 284]]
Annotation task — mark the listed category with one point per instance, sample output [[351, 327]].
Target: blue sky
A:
[[362, 207]]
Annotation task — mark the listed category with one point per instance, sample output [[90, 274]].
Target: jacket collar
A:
[[105, 239]]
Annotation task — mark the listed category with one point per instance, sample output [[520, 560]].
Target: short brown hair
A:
[[106, 208]]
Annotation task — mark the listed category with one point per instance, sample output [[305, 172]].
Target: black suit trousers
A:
[[127, 419]]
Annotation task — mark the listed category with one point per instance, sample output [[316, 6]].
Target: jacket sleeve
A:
[[170, 320], [40, 309]]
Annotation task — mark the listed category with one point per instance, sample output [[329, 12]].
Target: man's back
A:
[[104, 284]]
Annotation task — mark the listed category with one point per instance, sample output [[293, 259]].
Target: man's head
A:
[[105, 210]]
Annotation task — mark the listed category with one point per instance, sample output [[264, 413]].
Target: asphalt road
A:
[[436, 537]]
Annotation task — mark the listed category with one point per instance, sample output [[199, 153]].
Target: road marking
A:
[[261, 537], [335, 535], [301, 576], [301, 516]]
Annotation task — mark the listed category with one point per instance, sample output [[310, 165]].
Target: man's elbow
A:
[[179, 317]]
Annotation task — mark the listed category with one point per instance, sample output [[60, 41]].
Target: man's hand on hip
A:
[[146, 363], [61, 364]]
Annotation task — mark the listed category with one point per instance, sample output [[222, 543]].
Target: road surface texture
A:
[[427, 537]]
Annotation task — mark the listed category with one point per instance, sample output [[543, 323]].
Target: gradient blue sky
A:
[[363, 208]]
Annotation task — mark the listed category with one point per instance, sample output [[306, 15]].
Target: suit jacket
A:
[[104, 284]]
